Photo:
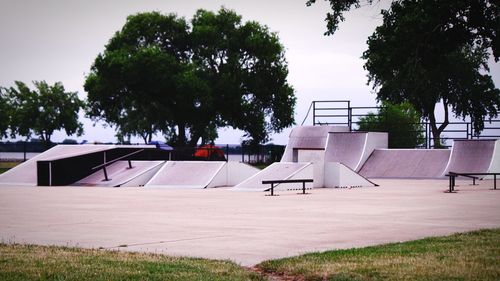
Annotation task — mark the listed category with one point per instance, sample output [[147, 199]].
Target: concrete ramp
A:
[[472, 156], [26, 173], [201, 174], [353, 148], [406, 163], [119, 173], [278, 171], [308, 137], [339, 175]]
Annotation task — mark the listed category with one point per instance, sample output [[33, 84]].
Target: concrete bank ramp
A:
[[200, 174], [353, 148], [406, 163], [308, 137], [474, 156], [120, 174], [26, 173], [278, 171], [339, 175]]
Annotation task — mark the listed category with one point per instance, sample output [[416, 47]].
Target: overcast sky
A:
[[59, 40]]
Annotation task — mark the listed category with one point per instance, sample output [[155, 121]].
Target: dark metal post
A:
[[105, 174], [450, 182], [227, 152], [314, 113], [495, 181], [129, 164], [24, 149], [303, 187], [272, 189]]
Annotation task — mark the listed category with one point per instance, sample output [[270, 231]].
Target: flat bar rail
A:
[[273, 182], [103, 166], [452, 176]]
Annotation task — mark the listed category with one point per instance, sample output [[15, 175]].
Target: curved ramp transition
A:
[[406, 163]]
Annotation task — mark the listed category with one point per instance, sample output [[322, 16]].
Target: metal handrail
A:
[[104, 165]]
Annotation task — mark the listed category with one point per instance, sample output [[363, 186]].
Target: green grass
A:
[[28, 262], [468, 256], [6, 165]]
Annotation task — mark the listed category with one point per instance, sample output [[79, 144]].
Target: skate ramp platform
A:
[[474, 156], [308, 137], [406, 163], [120, 174], [200, 174], [353, 148], [278, 171], [26, 173]]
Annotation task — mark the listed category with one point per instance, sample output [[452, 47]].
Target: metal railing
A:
[[340, 112]]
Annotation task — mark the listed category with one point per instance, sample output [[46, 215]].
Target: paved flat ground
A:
[[246, 227]]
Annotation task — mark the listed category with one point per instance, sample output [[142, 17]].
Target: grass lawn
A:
[[6, 165], [468, 256], [28, 262]]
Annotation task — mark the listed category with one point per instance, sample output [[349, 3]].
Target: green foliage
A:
[[43, 110], [5, 113], [161, 74], [432, 51], [338, 7], [401, 121]]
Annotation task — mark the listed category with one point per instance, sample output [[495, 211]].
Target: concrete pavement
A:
[[245, 227]]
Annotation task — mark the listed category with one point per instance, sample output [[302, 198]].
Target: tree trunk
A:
[[436, 131], [181, 141]]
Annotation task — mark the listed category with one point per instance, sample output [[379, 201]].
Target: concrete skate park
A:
[[133, 198]]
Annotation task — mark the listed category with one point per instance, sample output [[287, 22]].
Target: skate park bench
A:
[[452, 176], [273, 182]]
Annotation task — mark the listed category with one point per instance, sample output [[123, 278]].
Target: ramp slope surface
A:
[[471, 156], [26, 173], [277, 171], [186, 174], [406, 163], [119, 173], [346, 148]]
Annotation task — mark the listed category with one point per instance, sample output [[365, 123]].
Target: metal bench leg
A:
[[303, 187], [272, 189]]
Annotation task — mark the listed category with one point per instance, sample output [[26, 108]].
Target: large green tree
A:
[[428, 52], [162, 74], [434, 51], [43, 110]]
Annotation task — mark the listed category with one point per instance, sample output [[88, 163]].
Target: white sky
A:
[[58, 40]]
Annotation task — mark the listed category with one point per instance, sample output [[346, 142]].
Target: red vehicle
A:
[[210, 152]]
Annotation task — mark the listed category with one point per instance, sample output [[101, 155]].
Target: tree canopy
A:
[[5, 113], [43, 110], [160, 73], [401, 121], [429, 51]]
